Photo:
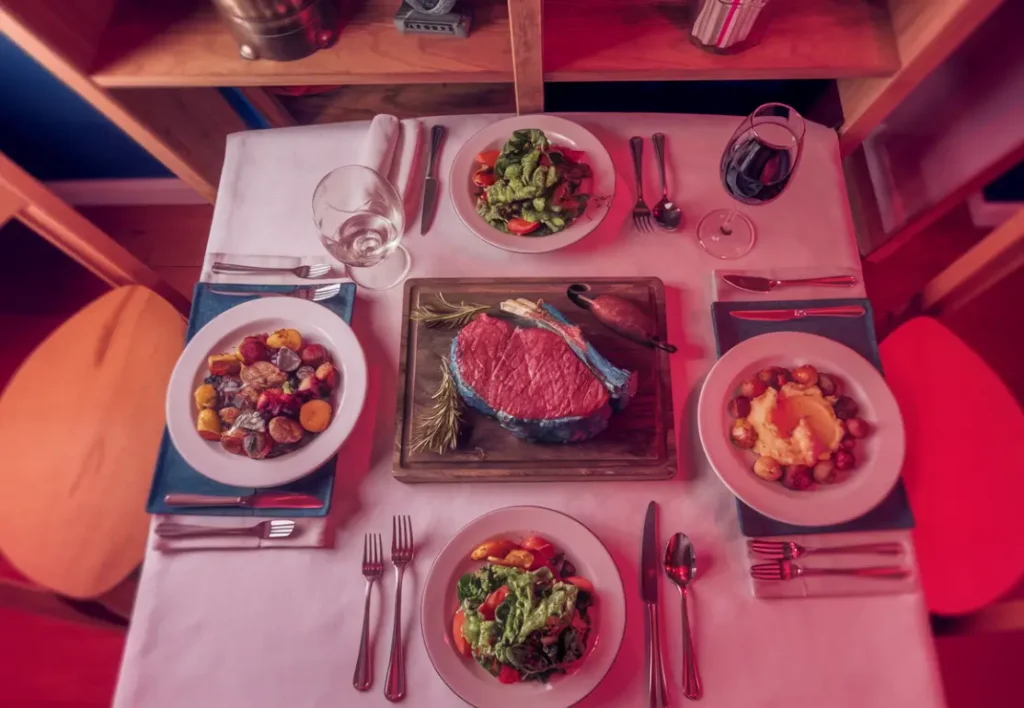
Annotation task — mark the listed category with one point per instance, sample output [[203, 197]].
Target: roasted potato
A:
[[228, 415], [287, 338], [824, 472], [205, 396], [752, 388], [328, 375], [739, 407], [263, 374], [805, 375], [313, 355], [284, 430], [224, 364], [246, 398], [797, 477], [742, 434], [232, 442], [208, 424], [497, 548], [767, 468], [257, 445], [829, 385], [857, 427], [252, 350], [315, 416]]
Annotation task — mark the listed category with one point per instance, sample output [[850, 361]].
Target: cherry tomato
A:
[[461, 643], [493, 600], [488, 157], [539, 547], [581, 583], [522, 226], [506, 674], [484, 178]]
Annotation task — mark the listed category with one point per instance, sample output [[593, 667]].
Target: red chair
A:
[[963, 473]]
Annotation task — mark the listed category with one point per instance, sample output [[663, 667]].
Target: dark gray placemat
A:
[[856, 333], [173, 474]]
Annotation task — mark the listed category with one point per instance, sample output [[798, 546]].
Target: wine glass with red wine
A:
[[757, 165]]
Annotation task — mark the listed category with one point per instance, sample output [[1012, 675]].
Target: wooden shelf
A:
[[648, 40], [196, 49]]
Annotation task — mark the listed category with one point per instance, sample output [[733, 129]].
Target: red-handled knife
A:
[[783, 315], [260, 500]]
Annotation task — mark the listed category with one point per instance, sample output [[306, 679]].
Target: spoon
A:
[[666, 213], [681, 567]]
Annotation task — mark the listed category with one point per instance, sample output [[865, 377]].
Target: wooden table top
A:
[[82, 420]]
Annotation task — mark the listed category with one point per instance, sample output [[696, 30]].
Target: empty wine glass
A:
[[360, 218], [758, 163]]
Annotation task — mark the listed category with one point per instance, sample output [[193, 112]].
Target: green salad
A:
[[531, 187], [520, 623]]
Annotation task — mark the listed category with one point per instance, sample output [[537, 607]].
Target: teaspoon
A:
[[667, 213], [681, 567]]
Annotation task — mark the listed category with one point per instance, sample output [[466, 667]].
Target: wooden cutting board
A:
[[639, 442]]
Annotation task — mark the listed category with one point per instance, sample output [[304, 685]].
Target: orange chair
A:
[[80, 426], [963, 470]]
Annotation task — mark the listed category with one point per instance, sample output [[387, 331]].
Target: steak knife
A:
[[650, 576], [430, 183], [783, 315], [259, 500]]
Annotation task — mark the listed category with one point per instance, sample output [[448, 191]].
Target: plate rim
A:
[[456, 181], [813, 515], [508, 509], [355, 377]]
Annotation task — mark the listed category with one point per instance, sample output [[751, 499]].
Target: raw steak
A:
[[531, 380]]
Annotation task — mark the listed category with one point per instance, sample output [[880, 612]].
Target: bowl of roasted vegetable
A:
[[532, 184], [514, 606], [266, 392]]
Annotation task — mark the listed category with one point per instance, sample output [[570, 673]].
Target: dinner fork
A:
[[373, 568], [276, 529], [316, 293], [401, 556], [788, 550], [641, 212], [787, 570], [316, 270]]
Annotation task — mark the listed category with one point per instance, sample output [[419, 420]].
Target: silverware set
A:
[[666, 214], [402, 552], [781, 554]]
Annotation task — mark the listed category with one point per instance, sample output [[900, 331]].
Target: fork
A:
[[276, 529], [373, 568], [316, 270], [401, 556], [788, 550], [787, 570], [316, 293], [641, 212]]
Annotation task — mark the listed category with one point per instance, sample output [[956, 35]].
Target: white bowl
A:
[[879, 456], [223, 334], [560, 132], [467, 678]]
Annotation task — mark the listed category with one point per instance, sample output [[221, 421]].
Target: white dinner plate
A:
[[223, 334], [467, 678], [560, 132], [879, 456]]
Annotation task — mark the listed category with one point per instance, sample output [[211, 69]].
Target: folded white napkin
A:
[[840, 585], [309, 533], [722, 291]]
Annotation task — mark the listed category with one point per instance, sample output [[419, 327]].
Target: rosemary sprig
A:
[[444, 314], [438, 429]]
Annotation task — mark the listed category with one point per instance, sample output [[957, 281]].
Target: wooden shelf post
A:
[[525, 21]]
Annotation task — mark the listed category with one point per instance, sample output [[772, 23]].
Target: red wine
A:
[[755, 171]]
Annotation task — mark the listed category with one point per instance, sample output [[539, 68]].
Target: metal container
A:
[[280, 30]]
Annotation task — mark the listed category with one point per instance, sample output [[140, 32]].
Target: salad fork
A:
[[373, 568], [641, 212], [787, 570], [401, 555], [316, 270], [788, 550], [316, 293]]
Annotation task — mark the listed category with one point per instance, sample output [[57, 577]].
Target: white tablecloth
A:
[[281, 628]]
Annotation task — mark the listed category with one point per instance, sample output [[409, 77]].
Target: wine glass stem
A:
[[726, 227]]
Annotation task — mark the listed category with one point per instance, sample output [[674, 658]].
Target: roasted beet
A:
[[328, 376], [797, 477], [274, 402], [845, 460], [845, 407], [829, 385], [251, 350], [313, 355], [739, 407]]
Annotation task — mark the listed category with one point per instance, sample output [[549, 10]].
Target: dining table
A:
[[281, 626]]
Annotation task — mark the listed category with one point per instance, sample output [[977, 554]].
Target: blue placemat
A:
[[173, 474], [859, 335]]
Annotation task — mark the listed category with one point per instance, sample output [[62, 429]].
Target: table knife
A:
[[430, 183], [783, 315], [650, 576], [259, 500]]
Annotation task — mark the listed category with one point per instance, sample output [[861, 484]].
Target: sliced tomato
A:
[[461, 643], [570, 154], [488, 157], [506, 674], [522, 226], [581, 583], [484, 177], [493, 600], [539, 547]]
